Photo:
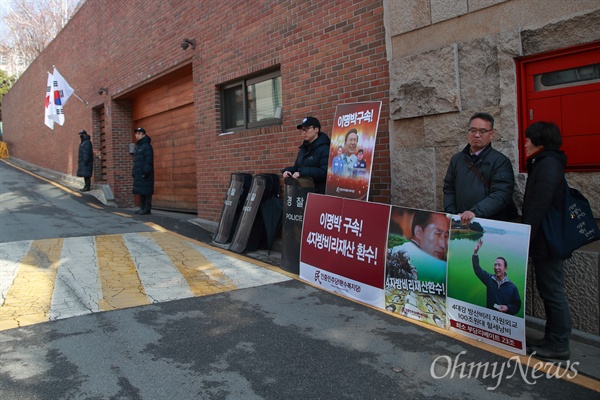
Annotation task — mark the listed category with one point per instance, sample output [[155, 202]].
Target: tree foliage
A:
[[6, 83], [32, 24], [29, 26]]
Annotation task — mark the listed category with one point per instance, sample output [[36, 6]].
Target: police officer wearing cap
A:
[[85, 160], [143, 171], [313, 155]]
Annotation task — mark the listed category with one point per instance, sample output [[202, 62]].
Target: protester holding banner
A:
[[313, 156], [85, 160], [544, 189], [480, 180]]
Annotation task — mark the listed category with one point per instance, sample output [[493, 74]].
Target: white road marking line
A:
[[11, 255], [161, 280], [242, 273], [77, 288]]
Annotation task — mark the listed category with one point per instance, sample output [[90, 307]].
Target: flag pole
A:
[[80, 99]]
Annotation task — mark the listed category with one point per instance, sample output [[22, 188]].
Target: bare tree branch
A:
[[32, 25]]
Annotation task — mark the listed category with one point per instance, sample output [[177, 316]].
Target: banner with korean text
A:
[[415, 278], [487, 273], [421, 264], [352, 149], [343, 247]]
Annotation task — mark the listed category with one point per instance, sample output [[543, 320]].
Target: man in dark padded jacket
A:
[[480, 180], [313, 156], [85, 160], [143, 171]]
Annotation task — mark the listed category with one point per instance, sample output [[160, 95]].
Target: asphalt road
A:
[[281, 340]]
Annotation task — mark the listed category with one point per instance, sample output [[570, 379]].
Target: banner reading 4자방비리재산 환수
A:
[[343, 247]]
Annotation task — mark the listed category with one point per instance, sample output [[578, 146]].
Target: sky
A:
[[3, 6]]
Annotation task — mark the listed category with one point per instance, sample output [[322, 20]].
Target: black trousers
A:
[[145, 202], [88, 181], [550, 280]]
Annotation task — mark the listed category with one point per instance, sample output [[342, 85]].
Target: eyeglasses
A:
[[481, 131]]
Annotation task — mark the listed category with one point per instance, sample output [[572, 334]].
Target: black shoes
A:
[[85, 189], [547, 352], [145, 211]]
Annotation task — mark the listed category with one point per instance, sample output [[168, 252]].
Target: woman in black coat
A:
[[313, 156], [143, 171], [545, 189], [85, 160]]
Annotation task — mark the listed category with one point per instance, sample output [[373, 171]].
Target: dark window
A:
[[567, 77], [252, 103]]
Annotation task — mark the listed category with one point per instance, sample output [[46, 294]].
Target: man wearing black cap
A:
[[143, 171], [313, 156], [85, 161]]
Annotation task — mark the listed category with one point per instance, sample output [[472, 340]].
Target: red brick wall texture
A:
[[329, 53]]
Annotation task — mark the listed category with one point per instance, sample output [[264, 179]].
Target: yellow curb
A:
[[58, 185]]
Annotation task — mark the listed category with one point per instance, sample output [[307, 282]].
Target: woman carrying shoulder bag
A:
[[545, 189]]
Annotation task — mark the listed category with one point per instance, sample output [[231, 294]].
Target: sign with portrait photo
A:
[[415, 280], [420, 264], [352, 150], [487, 273]]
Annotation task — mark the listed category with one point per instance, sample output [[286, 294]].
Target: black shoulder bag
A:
[[570, 227]]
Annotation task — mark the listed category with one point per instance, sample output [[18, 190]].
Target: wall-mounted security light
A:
[[187, 43]]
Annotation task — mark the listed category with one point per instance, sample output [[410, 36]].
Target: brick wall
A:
[[329, 53]]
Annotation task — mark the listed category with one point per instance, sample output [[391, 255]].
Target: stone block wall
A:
[[449, 60]]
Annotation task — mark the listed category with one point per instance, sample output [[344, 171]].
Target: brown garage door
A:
[[165, 110]]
